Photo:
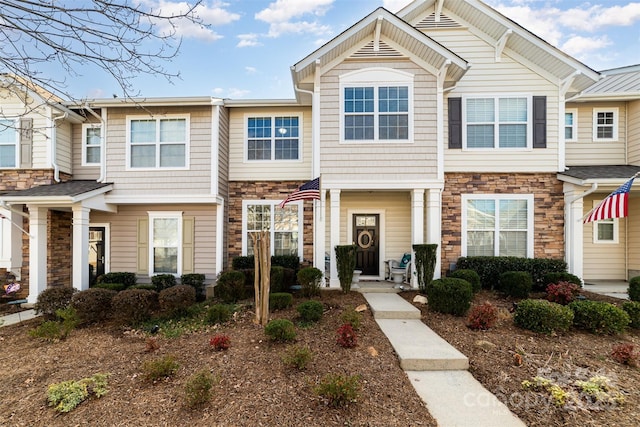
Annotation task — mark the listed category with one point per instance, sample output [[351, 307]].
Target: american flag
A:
[[615, 205], [307, 191]]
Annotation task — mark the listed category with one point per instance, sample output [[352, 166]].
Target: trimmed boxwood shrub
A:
[[277, 279], [230, 286], [310, 311], [163, 281], [219, 313], [280, 300], [543, 316], [309, 279], [93, 305], [52, 299], [111, 286], [134, 305], [470, 276], [633, 310], [634, 289], [127, 279], [599, 317], [449, 295], [490, 268], [147, 286], [197, 281], [286, 261], [177, 298], [516, 284], [243, 262], [557, 277], [280, 330]]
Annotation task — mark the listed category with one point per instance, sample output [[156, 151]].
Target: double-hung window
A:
[[165, 231], [605, 230], [376, 113], [497, 225], [9, 140], [273, 138], [497, 122], [158, 142], [91, 144], [605, 124], [284, 225], [571, 125]]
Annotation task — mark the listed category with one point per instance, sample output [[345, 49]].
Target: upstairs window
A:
[[9, 140], [497, 122], [91, 144], [376, 113], [158, 143], [571, 125], [605, 124], [273, 138]]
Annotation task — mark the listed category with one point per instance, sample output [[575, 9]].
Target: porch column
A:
[[37, 252], [319, 243], [417, 227], [80, 277], [573, 229], [434, 225], [335, 236]]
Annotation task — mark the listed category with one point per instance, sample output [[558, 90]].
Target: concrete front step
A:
[[419, 348], [455, 398], [390, 306]]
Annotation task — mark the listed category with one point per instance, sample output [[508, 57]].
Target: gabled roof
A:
[[521, 41], [618, 84], [390, 26], [72, 190]]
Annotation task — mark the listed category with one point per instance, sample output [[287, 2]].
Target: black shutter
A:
[[539, 122], [455, 122]]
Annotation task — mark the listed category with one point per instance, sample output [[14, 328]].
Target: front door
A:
[[97, 246], [366, 236]]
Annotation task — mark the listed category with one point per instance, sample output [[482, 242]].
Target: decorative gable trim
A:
[[383, 51], [430, 22]]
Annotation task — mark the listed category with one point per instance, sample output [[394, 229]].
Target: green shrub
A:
[[310, 311], [339, 390], [197, 281], [426, 256], [557, 277], [219, 313], [52, 330], [159, 368], [516, 284], [111, 286], [309, 279], [633, 310], [163, 281], [280, 330], [280, 300], [67, 395], [52, 299], [134, 305], [176, 299], [276, 282], [93, 305], [449, 295], [145, 286], [599, 317], [289, 278], [127, 279], [287, 261], [470, 276], [351, 317], [243, 263], [634, 289], [230, 286], [490, 268], [346, 260], [297, 357], [543, 316], [197, 389]]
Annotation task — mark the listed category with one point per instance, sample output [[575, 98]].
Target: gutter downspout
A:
[[103, 145], [571, 222], [54, 163]]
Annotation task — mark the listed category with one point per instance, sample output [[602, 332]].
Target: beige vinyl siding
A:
[[633, 222], [79, 171], [63, 146], [585, 151], [124, 234], [603, 261], [194, 180], [634, 132], [223, 153], [241, 169], [411, 161], [486, 76]]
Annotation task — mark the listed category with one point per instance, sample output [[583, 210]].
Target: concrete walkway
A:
[[436, 369], [13, 318], [616, 289]]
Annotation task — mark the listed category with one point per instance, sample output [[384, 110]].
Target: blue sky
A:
[[249, 46]]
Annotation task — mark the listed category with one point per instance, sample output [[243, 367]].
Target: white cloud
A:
[[597, 17], [232, 92], [301, 27], [248, 40], [579, 45], [395, 5], [282, 17], [250, 70]]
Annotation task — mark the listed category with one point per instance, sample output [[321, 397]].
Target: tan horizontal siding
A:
[[79, 171], [634, 132]]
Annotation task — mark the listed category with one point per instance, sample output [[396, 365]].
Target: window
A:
[[497, 122], [376, 113], [605, 230], [165, 232], [9, 140], [91, 144], [496, 225], [571, 125], [282, 223], [605, 124], [158, 143], [273, 138]]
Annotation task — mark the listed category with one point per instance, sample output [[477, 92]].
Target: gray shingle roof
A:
[[601, 172], [69, 188]]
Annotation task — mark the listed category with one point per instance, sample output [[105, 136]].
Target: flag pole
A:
[[591, 210]]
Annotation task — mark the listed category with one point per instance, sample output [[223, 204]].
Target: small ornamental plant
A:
[[297, 357], [562, 292], [220, 342], [625, 355], [482, 317], [338, 390], [346, 336], [197, 389]]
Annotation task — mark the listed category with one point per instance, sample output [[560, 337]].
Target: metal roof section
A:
[[521, 42], [378, 22], [601, 174], [618, 84], [263, 103], [147, 102]]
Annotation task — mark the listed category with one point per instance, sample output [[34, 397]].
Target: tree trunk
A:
[[262, 275]]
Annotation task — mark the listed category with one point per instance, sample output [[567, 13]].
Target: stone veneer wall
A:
[[59, 252], [264, 190], [548, 209]]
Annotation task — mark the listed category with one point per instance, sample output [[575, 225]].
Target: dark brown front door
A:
[[97, 236], [366, 236]]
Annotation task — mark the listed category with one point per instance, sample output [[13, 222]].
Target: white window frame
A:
[[615, 124], [497, 197], [274, 205], [85, 128], [187, 148], [165, 215], [16, 143], [273, 117], [574, 126], [597, 224], [496, 122], [377, 77]]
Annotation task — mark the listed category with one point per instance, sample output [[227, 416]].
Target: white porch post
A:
[[37, 252], [335, 236], [434, 225], [319, 243], [80, 277], [417, 227], [573, 211]]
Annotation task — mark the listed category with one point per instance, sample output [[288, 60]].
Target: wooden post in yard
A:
[[262, 279]]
